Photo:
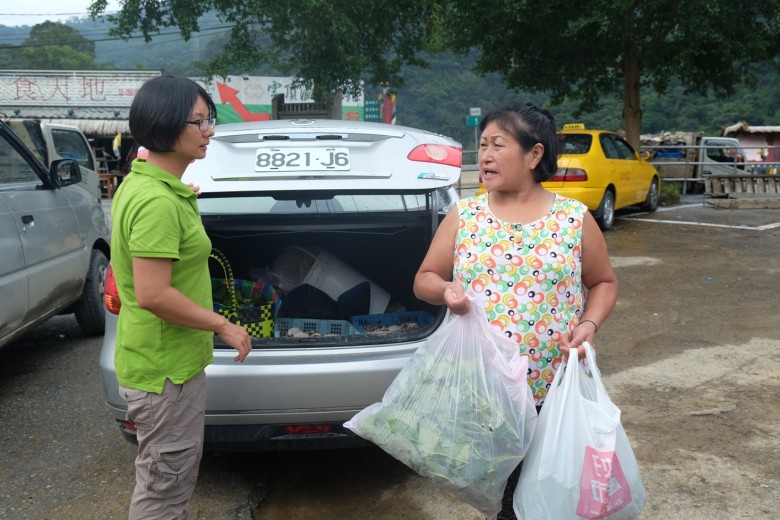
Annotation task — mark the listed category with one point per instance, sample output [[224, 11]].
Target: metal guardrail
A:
[[684, 169]]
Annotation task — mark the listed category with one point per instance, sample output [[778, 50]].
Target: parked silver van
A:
[[52, 141], [54, 242]]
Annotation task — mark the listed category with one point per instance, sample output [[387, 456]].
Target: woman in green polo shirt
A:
[[166, 326]]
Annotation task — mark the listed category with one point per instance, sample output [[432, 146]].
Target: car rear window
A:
[[575, 144], [307, 203]]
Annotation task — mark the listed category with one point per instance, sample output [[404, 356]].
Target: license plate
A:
[[302, 159]]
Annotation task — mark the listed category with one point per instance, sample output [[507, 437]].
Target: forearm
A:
[[601, 301], [174, 307], [429, 287]]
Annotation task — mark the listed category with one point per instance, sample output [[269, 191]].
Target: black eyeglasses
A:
[[203, 124]]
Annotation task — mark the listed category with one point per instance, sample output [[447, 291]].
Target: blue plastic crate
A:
[[338, 327], [372, 322]]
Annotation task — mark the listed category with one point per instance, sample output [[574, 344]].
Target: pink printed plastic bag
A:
[[604, 489], [580, 463]]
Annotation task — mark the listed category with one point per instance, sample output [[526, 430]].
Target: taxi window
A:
[[575, 144], [624, 149], [610, 149]]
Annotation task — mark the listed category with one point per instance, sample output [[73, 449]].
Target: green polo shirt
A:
[[155, 215]]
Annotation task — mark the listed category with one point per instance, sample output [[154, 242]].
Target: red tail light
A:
[[111, 296], [569, 175], [438, 154], [308, 429]]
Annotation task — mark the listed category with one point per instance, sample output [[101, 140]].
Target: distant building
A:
[[761, 143]]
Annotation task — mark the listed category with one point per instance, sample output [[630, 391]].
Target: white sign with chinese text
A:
[[71, 88]]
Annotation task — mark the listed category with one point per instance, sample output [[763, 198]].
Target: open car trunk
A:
[[338, 269]]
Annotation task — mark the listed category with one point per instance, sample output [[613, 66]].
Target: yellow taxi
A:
[[600, 169]]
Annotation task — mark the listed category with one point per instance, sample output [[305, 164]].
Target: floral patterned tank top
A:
[[530, 276]]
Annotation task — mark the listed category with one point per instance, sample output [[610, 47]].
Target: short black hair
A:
[[528, 125], [161, 108]]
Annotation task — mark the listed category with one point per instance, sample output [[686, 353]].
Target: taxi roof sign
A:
[[574, 126]]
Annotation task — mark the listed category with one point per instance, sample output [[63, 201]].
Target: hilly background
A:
[[438, 98]]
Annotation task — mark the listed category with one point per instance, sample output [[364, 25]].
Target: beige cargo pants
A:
[[170, 445]]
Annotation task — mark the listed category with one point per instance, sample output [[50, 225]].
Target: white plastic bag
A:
[[580, 464], [460, 412]]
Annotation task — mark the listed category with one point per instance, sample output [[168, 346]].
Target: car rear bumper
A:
[[251, 405], [262, 437]]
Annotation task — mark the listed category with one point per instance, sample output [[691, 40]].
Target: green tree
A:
[[583, 51], [55, 58], [439, 97], [50, 45], [58, 34], [6, 56], [329, 45]]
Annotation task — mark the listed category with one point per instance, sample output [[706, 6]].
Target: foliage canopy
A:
[[621, 48], [329, 45], [50, 45], [484, 74]]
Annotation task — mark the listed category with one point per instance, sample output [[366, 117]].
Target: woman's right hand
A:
[[455, 298], [237, 337]]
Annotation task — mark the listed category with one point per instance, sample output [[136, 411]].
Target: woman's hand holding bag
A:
[[580, 463], [460, 412]]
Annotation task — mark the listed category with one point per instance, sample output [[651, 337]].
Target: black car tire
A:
[[606, 211], [90, 311], [651, 202]]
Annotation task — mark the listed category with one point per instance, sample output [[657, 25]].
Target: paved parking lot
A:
[[690, 355], [694, 210]]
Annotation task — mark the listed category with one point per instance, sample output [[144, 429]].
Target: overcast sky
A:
[[31, 12]]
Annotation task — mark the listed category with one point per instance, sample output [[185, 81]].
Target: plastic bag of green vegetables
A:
[[460, 412]]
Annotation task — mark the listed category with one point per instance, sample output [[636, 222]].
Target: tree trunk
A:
[[632, 111]]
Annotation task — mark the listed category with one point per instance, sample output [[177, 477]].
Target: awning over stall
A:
[[91, 127]]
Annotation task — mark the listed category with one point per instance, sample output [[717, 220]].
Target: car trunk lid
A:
[[324, 155]]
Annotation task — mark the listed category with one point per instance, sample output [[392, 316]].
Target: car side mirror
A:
[[65, 172], [644, 154]]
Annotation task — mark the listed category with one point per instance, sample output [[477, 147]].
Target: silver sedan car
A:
[[319, 227]]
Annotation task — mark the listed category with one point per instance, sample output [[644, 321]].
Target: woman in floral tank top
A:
[[538, 261]]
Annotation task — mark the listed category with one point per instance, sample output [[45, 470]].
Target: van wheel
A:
[[606, 211], [651, 202], [90, 311]]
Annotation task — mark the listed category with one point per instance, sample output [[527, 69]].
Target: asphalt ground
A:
[[689, 355]]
